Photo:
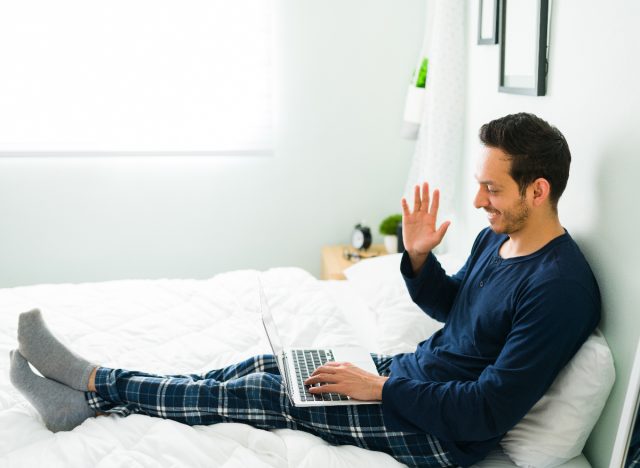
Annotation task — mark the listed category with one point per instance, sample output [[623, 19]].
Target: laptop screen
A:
[[269, 324]]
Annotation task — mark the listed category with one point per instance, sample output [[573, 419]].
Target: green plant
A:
[[389, 225], [422, 74]]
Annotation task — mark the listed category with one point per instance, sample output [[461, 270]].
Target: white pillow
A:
[[557, 427], [372, 277], [401, 324]]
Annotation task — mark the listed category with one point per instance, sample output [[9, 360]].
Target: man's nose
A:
[[480, 199]]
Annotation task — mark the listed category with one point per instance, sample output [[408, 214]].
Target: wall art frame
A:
[[524, 45], [488, 22]]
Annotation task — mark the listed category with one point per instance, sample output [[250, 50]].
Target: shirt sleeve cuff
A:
[[407, 270], [391, 412]]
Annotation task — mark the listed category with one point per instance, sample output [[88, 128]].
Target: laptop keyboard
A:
[[305, 361]]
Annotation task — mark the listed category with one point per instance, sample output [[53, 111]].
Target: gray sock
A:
[[62, 408], [48, 355]]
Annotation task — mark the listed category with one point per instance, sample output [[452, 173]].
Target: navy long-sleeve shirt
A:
[[510, 326]]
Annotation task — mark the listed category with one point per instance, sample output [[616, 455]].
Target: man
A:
[[514, 315]]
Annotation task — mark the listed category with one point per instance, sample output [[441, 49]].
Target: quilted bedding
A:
[[172, 326]]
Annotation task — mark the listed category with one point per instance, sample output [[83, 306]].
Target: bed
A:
[[175, 326]]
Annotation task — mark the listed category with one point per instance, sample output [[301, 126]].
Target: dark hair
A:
[[536, 149]]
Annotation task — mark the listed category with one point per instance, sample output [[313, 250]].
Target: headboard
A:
[[629, 415]]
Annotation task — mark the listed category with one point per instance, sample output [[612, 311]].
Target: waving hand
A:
[[419, 233]]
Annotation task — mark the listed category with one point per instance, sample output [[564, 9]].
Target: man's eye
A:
[[491, 190]]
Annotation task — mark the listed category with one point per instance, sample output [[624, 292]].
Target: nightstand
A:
[[334, 261]]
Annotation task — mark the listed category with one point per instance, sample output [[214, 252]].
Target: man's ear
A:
[[541, 189]]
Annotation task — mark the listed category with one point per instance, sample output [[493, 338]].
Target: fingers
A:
[[435, 204], [425, 196], [405, 208], [324, 366], [328, 372], [330, 367], [324, 369], [417, 202], [421, 201], [322, 378], [442, 230], [329, 388]]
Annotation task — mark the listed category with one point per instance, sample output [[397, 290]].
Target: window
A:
[[158, 76]]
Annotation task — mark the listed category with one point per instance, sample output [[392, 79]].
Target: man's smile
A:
[[492, 214]]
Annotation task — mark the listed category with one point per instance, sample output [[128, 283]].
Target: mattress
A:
[[183, 326]]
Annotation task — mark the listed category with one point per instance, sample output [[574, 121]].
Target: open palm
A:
[[419, 233]]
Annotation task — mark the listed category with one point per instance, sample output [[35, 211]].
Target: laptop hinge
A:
[[287, 378]]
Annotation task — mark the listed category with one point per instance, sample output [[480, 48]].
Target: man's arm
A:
[[420, 270], [432, 289], [547, 331]]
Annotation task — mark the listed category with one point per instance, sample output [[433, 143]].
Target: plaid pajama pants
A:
[[252, 392], [633, 457]]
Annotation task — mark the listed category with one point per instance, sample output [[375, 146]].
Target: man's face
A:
[[498, 193]]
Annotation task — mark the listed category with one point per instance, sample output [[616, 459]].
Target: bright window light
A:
[[163, 76]]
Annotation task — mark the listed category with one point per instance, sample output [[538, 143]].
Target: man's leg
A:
[[260, 363], [245, 392], [383, 363], [258, 399]]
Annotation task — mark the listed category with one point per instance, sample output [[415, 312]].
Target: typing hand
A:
[[347, 379]]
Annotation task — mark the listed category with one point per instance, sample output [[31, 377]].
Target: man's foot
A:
[[61, 407], [48, 355]]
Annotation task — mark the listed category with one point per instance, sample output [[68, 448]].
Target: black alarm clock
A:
[[361, 237]]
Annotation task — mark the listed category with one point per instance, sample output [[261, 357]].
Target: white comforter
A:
[[173, 326], [176, 326]]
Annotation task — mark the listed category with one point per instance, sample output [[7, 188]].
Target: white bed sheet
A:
[[173, 326]]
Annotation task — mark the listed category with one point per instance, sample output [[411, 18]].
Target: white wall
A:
[[593, 99], [342, 67]]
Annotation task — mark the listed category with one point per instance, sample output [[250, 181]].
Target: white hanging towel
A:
[[414, 102], [439, 148]]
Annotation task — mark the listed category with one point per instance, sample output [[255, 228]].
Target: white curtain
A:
[[439, 148]]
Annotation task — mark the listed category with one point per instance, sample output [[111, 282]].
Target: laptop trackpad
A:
[[357, 356]]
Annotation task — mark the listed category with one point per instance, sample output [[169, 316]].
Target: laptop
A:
[[296, 365]]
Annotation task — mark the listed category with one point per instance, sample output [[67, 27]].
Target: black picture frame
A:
[[488, 21], [524, 46]]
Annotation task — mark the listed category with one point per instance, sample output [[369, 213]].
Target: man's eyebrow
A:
[[487, 182]]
